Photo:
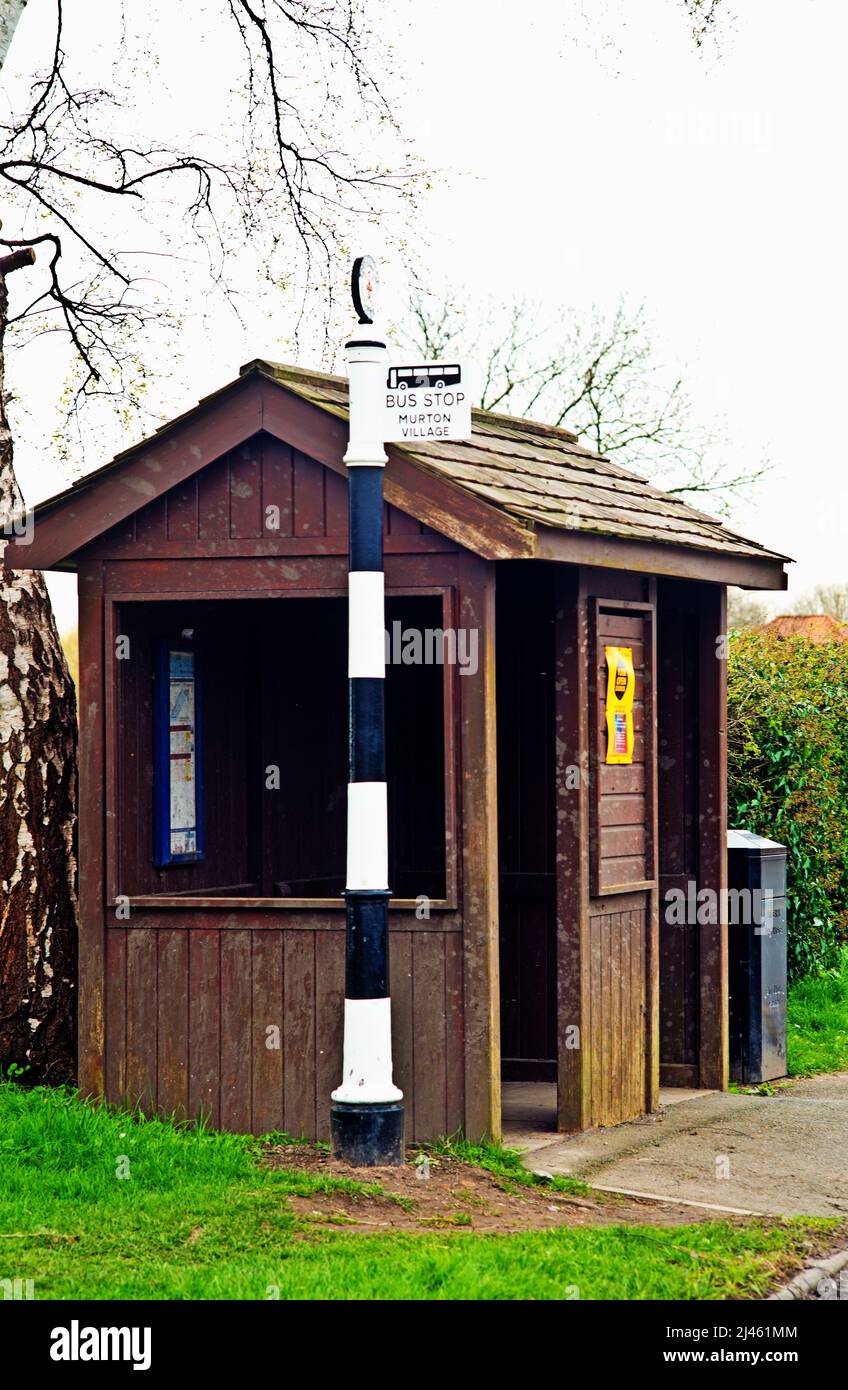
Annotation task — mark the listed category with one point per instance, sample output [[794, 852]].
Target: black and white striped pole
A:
[[366, 1116]]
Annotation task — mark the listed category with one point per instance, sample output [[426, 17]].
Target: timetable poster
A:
[[182, 752]]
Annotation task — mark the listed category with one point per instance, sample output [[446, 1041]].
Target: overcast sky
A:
[[585, 151]]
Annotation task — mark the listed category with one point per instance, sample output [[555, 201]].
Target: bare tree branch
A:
[[599, 378], [703, 14], [65, 165]]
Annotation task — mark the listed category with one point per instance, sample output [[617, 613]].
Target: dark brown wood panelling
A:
[[245, 1027], [429, 1020], [329, 1013], [299, 1048], [481, 989], [268, 1031], [172, 1022], [622, 831], [142, 1071], [204, 1005], [115, 1080], [261, 492], [246, 516], [617, 946], [236, 1029], [92, 850]]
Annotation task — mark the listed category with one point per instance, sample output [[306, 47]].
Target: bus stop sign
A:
[[427, 400]]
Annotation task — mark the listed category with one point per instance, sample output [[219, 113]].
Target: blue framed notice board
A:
[[177, 757]]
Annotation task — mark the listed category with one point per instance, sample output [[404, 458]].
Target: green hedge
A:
[[788, 778]]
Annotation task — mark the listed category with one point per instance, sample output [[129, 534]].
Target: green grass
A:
[[198, 1219], [817, 1023], [505, 1165]]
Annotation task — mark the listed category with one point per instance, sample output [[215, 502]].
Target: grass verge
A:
[[99, 1204], [817, 1022]]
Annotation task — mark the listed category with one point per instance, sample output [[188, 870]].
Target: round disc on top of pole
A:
[[364, 283]]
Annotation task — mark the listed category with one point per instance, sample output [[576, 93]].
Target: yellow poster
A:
[[621, 683]]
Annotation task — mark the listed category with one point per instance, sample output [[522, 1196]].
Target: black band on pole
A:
[[367, 955], [367, 750], [365, 505]]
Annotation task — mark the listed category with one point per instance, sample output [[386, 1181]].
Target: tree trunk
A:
[[10, 13], [38, 736]]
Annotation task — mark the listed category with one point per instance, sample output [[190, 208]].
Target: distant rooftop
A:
[[814, 627]]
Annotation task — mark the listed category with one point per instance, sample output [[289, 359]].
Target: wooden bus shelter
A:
[[527, 938]]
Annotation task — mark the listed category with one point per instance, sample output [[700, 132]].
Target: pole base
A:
[[368, 1136]]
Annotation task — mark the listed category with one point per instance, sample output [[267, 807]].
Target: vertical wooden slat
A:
[[455, 1036], [172, 1022], [236, 1031], [652, 919], [429, 1022], [308, 497], [245, 492], [141, 1017], [335, 502], [479, 858], [400, 523], [597, 1022], [401, 983], [625, 1004], [329, 1013], [618, 1098], [116, 1015], [606, 1040], [204, 1024], [115, 673], [91, 962], [268, 1031], [213, 501], [277, 476], [151, 524], [641, 993], [299, 1038], [181, 503]]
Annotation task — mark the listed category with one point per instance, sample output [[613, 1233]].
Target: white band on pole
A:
[[366, 653], [367, 836], [366, 369], [367, 1054]]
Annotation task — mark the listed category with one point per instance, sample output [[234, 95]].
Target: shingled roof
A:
[[543, 474], [515, 489]]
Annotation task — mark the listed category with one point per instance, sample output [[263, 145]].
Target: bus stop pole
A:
[[366, 1115]]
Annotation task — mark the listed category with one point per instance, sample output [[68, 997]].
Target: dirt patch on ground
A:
[[455, 1196]]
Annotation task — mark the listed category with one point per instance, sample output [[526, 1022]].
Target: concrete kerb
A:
[[804, 1283]]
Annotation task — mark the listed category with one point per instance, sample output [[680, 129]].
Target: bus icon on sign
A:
[[405, 378]]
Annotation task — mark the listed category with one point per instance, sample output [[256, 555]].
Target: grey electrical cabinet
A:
[[757, 948]]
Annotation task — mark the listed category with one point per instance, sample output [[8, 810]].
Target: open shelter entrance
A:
[[590, 854]]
